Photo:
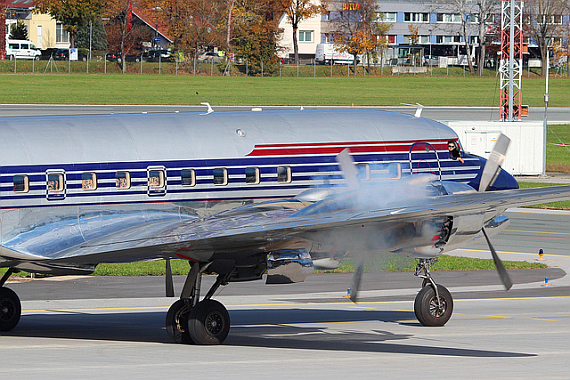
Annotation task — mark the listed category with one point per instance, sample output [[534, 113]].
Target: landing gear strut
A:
[[433, 305], [10, 306], [191, 321]]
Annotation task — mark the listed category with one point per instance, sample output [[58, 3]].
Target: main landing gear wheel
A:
[[177, 321], [428, 310], [10, 309], [209, 322]]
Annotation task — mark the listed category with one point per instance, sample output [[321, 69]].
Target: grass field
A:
[[558, 157], [337, 91]]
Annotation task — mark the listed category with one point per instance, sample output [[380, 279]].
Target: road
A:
[[84, 327], [556, 115]]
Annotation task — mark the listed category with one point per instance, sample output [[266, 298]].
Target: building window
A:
[[123, 180], [21, 184], [252, 176], [220, 176], [416, 17], [448, 39], [61, 36], [305, 36], [389, 17], [451, 18], [188, 177], [89, 181], [284, 174]]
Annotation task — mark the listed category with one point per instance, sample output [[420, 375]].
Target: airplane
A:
[[244, 195]]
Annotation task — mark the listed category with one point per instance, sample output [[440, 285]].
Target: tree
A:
[[464, 8], [297, 11], [196, 25], [19, 31], [123, 34], [483, 13], [544, 19], [358, 28], [96, 33], [256, 33], [72, 13]]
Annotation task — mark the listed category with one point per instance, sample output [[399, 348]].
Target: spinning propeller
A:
[[488, 177]]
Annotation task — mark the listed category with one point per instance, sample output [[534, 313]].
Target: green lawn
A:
[[66, 88], [558, 157]]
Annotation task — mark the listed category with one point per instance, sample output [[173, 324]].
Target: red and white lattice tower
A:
[[511, 59]]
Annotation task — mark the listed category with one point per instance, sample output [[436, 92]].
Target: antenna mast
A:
[[511, 59]]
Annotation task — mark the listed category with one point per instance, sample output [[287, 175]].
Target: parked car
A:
[[164, 55], [113, 56], [21, 49], [63, 54], [133, 58], [430, 60], [210, 57]]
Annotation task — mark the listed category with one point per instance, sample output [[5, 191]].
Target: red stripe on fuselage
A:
[[335, 148]]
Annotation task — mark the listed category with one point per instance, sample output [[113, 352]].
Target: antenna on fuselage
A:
[[419, 108], [210, 109]]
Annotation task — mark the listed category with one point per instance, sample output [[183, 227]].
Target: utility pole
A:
[[511, 60]]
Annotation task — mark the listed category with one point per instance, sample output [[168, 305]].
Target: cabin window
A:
[[363, 172], [89, 181], [220, 176], [252, 176], [188, 177], [21, 184], [284, 174], [123, 180], [55, 182], [156, 179]]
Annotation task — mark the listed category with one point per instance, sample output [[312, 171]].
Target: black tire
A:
[[426, 306], [209, 323], [37, 57], [10, 309], [177, 322], [12, 57]]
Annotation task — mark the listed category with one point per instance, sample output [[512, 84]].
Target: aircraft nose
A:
[[504, 181]]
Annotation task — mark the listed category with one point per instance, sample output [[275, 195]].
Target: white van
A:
[[21, 49], [325, 53]]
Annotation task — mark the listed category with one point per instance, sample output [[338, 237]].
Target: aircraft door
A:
[[424, 159]]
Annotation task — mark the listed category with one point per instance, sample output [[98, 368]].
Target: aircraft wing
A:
[[285, 225]]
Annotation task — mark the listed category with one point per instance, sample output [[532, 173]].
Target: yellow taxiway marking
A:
[[545, 319], [361, 307], [541, 232], [497, 316], [514, 253], [290, 304]]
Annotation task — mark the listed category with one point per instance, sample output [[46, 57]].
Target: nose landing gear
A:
[[433, 305]]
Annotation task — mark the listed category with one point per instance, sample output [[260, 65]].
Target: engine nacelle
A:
[[288, 266]]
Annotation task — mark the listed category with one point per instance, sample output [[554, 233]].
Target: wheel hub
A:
[[437, 309], [214, 323]]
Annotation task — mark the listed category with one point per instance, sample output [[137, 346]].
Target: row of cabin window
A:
[[156, 179]]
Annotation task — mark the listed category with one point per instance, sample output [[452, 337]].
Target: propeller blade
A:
[[356, 280], [348, 169], [503, 274], [169, 282], [494, 163]]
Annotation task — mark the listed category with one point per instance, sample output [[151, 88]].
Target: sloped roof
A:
[[20, 4], [147, 16]]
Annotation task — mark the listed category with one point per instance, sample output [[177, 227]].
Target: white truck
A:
[[21, 49], [327, 54]]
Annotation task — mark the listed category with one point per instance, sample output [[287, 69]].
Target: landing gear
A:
[[433, 305], [206, 322], [10, 306]]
